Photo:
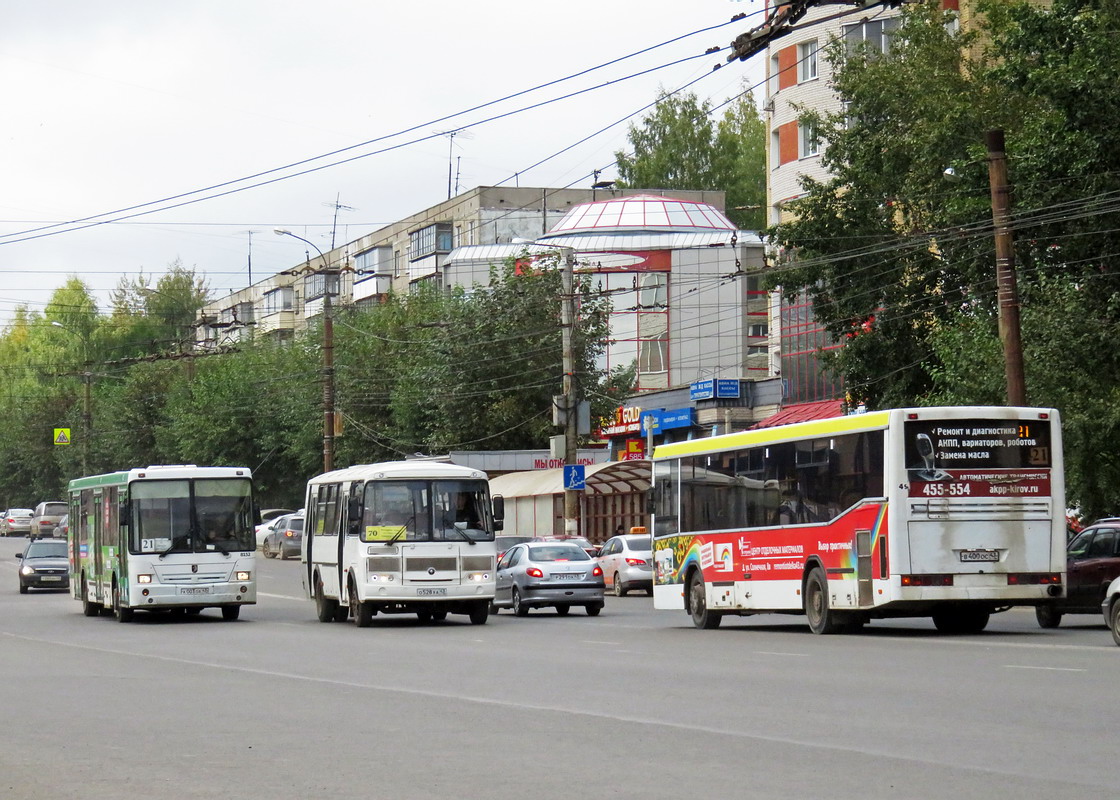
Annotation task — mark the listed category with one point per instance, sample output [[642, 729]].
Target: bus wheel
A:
[[326, 610], [480, 612], [702, 616], [821, 618], [1047, 616], [424, 615], [362, 612], [439, 614], [230, 613], [89, 608], [120, 612]]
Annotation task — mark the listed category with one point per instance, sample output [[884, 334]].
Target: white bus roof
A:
[[160, 472], [400, 470]]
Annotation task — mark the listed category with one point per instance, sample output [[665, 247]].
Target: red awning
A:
[[803, 412]]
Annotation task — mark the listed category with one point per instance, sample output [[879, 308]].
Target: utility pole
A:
[[328, 350], [1007, 289], [571, 439]]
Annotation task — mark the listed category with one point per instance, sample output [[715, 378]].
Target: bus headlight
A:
[[143, 578], [478, 577], [379, 577], [241, 576]]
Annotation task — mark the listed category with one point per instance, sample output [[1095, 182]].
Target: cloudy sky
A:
[[118, 109]]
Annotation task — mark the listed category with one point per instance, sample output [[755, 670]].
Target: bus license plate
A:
[[979, 555], [194, 590], [431, 592]]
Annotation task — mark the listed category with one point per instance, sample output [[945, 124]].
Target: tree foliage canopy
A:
[[899, 262], [680, 146]]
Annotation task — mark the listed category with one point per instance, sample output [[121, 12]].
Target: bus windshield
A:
[[418, 510], [191, 515]]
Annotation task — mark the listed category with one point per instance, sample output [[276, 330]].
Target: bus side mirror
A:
[[256, 513], [124, 513], [499, 504], [649, 502]]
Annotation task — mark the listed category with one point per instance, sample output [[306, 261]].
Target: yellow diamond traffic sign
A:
[[62, 436]]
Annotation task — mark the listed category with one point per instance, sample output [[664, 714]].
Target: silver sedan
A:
[[548, 574]]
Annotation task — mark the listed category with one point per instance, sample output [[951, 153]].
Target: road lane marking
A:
[[1051, 669], [281, 596], [775, 653]]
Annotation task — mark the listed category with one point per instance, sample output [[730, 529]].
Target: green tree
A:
[[899, 263], [680, 146]]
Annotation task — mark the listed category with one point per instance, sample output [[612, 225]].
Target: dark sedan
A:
[[44, 565], [548, 574], [285, 539]]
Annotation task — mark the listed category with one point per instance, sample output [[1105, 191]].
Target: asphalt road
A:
[[633, 703]]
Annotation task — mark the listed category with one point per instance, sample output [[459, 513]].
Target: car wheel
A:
[[1114, 621], [563, 610], [268, 552], [702, 616], [519, 608], [593, 610], [22, 589], [821, 618], [493, 608], [619, 590], [1048, 616]]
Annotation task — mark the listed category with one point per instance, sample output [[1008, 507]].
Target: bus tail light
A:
[[1033, 579], [927, 580]]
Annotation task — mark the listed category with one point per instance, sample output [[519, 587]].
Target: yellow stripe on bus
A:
[[874, 420]]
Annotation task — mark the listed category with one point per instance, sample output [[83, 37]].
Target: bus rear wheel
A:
[[822, 619], [702, 616]]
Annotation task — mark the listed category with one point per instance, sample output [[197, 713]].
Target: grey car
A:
[[46, 516], [285, 539], [548, 574], [627, 563], [44, 565], [16, 522]]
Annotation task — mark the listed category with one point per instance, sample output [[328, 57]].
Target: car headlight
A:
[[26, 570]]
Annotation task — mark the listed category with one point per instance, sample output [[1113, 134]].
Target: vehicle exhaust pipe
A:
[[1054, 590]]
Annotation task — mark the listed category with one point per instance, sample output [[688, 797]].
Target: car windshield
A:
[[54, 509], [43, 549], [558, 552], [184, 516], [642, 544]]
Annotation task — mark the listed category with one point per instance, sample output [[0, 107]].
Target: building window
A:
[[651, 293], [807, 61], [437, 238], [758, 330], [317, 285], [775, 68], [874, 35], [282, 299], [809, 145]]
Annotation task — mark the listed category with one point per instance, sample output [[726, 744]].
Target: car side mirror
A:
[[19, 555]]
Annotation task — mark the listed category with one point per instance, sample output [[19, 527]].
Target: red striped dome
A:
[[642, 212]]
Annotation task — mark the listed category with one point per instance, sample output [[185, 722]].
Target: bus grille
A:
[[383, 564], [477, 563], [994, 508], [439, 564]]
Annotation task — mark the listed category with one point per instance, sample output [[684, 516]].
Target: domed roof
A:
[[643, 212]]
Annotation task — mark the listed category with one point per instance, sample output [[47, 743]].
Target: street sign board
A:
[[575, 477]]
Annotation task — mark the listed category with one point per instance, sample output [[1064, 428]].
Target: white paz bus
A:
[[949, 513], [163, 538], [413, 537]]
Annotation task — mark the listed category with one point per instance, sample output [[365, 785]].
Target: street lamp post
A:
[[87, 413], [328, 355]]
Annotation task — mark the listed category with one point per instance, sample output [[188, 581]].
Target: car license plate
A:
[[431, 592], [51, 578], [567, 576], [194, 590], [979, 555]]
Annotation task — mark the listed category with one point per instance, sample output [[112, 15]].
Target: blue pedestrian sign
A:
[[575, 477]]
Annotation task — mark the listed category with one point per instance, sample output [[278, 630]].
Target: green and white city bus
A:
[[161, 538]]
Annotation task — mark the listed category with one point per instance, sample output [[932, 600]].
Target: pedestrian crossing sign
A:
[[62, 436]]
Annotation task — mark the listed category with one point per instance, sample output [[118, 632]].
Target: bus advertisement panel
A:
[[952, 513]]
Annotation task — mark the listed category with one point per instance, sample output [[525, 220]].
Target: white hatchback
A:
[[627, 563]]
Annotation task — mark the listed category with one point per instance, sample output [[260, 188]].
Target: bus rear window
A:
[[977, 444]]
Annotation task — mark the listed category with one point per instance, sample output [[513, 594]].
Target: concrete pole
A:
[[1007, 289]]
